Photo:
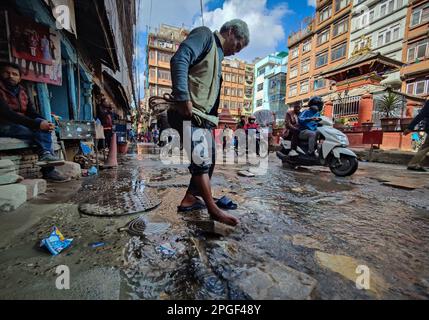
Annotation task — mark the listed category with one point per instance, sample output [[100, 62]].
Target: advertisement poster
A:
[[37, 49]]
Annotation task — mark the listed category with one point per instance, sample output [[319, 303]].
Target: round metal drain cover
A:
[[120, 204], [135, 227]]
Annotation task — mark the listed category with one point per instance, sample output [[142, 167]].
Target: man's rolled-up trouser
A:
[[199, 143], [311, 137], [418, 159]]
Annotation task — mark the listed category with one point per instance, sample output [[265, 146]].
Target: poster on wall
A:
[[37, 49]]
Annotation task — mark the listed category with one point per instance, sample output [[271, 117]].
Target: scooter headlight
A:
[[343, 139]]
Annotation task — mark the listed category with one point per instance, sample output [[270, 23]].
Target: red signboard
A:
[[373, 137], [37, 49]]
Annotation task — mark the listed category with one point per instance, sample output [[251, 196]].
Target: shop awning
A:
[[94, 31], [116, 91]]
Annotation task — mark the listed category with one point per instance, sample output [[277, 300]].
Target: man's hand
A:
[[47, 126], [185, 109], [406, 132]]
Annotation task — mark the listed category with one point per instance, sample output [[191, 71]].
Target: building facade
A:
[[415, 51], [162, 44], [233, 88], [321, 45], [270, 74], [380, 26]]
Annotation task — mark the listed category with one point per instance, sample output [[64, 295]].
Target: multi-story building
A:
[[162, 44], [249, 89], [415, 51], [380, 27], [321, 45], [233, 88], [269, 71]]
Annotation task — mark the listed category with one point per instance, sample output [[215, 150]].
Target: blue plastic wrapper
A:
[[93, 171], [56, 242]]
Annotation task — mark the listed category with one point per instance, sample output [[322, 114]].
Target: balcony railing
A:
[[301, 34]]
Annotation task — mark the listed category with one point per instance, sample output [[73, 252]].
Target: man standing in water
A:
[[196, 71]]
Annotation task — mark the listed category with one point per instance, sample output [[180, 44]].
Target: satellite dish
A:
[[264, 118]]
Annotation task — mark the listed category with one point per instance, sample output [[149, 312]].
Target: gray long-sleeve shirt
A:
[[191, 52]]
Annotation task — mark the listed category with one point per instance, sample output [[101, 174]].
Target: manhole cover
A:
[[120, 204]]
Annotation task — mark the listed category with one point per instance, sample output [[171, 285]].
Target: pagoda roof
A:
[[359, 65]]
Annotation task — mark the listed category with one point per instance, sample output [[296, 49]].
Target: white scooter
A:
[[331, 152]]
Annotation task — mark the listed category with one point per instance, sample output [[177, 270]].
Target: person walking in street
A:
[[416, 164], [196, 71], [227, 138], [292, 128], [19, 119]]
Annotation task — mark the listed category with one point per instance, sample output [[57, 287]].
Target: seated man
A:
[[19, 119], [308, 122], [292, 128]]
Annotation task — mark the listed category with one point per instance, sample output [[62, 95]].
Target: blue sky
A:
[[270, 21]]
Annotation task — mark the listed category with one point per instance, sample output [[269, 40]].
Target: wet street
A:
[[303, 234]]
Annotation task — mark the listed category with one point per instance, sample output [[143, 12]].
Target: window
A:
[[162, 91], [387, 7], [341, 27], [293, 72], [152, 55], [421, 87], [319, 84], [341, 4], [321, 59], [239, 92], [420, 15], [260, 87], [259, 103], [240, 80], [233, 105], [164, 57], [418, 50], [228, 77], [233, 78], [164, 75], [388, 35], [339, 52], [323, 37], [294, 52], [325, 14], [307, 46], [261, 71], [418, 87], [305, 66], [152, 74], [293, 90], [226, 105], [304, 87], [234, 92]]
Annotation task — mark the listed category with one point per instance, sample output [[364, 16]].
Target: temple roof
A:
[[372, 62]]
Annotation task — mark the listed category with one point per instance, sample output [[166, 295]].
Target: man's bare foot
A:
[[222, 217], [189, 200]]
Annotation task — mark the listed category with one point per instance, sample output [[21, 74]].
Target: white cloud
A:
[[265, 25], [175, 13], [311, 3]]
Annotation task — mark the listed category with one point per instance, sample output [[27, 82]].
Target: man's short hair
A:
[[4, 65], [239, 28]]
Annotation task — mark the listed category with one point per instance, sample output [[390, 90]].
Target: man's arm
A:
[[197, 44], [9, 115], [306, 116], [424, 113]]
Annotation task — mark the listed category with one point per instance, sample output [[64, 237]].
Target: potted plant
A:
[[389, 104], [339, 123]]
